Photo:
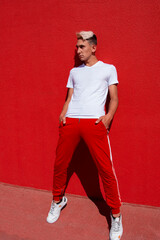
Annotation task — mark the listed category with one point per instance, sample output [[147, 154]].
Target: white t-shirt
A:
[[90, 86]]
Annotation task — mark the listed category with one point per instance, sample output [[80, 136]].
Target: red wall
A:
[[37, 44]]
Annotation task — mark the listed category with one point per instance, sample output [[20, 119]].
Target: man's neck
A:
[[93, 60]]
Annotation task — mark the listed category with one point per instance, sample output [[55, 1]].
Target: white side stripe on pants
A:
[[112, 165]]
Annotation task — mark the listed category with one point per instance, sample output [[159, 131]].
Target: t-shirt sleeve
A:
[[70, 81], [113, 79]]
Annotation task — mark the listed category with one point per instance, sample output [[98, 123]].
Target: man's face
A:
[[85, 50]]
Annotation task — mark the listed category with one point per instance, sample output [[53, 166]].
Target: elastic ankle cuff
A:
[[57, 198], [115, 211]]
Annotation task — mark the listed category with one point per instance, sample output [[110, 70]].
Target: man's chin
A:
[[83, 60]]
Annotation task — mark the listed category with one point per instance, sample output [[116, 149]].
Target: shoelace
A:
[[116, 225], [52, 208]]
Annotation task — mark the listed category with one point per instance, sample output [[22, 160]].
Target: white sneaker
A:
[[55, 210], [116, 228]]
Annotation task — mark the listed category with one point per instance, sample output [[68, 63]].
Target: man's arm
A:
[[65, 106], [113, 104]]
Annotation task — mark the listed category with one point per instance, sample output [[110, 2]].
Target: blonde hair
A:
[[87, 35]]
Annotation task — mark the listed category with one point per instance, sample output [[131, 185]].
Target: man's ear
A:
[[94, 47]]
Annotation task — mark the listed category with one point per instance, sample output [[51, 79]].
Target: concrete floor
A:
[[23, 214]]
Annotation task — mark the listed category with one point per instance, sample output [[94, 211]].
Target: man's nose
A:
[[78, 50]]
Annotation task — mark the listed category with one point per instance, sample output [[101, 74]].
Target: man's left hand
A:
[[106, 120]]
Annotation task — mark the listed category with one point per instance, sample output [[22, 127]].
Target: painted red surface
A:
[[37, 46]]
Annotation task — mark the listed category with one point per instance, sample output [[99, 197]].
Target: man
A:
[[83, 116]]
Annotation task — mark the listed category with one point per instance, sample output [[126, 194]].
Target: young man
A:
[[83, 116]]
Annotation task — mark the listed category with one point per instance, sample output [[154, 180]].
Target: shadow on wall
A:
[[84, 167]]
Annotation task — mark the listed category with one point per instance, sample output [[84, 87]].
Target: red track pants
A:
[[97, 140]]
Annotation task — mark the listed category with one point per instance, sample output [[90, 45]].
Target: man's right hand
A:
[[62, 119]]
